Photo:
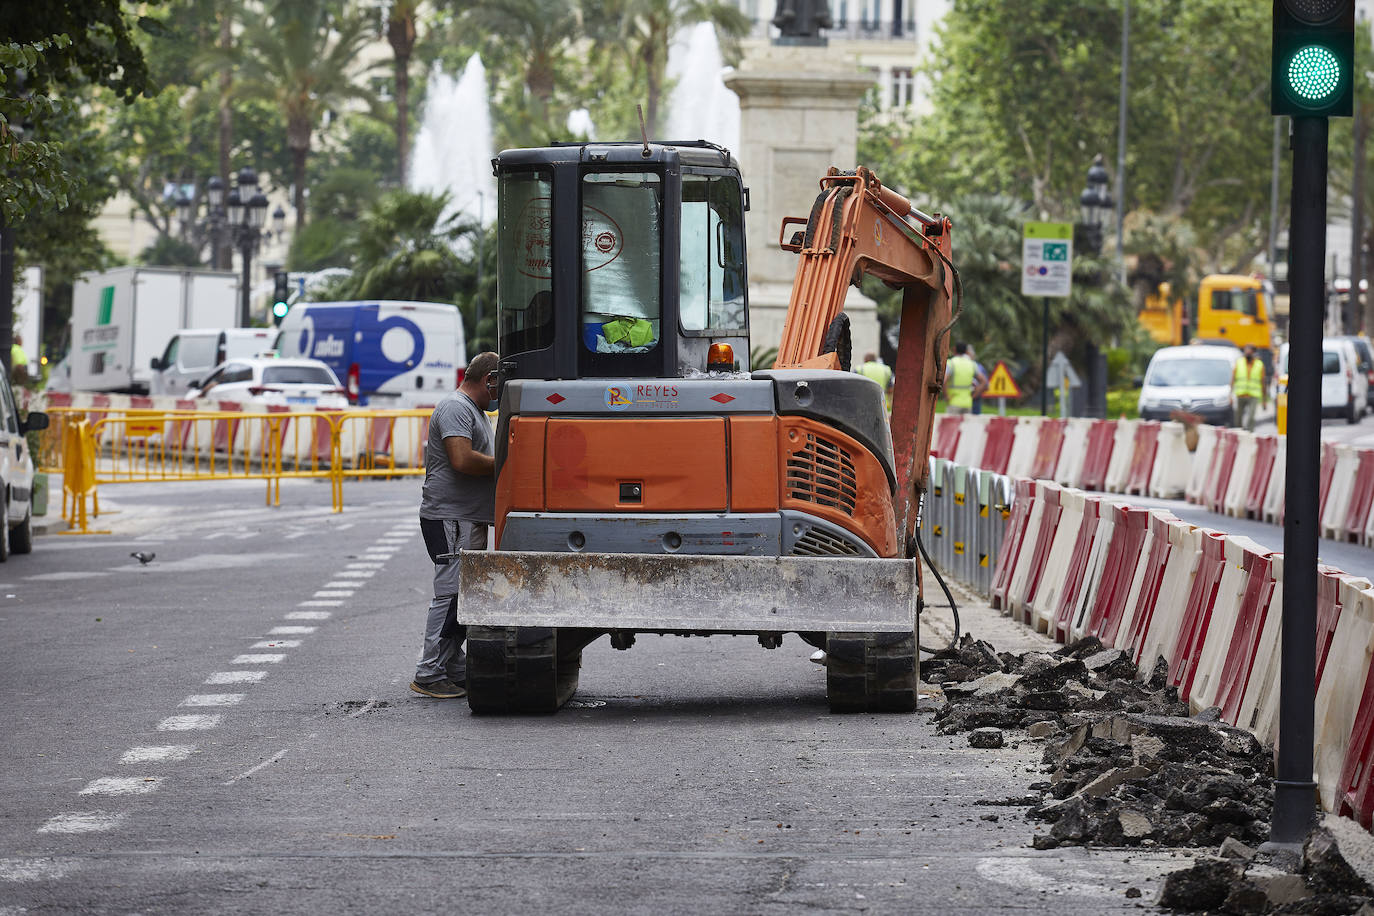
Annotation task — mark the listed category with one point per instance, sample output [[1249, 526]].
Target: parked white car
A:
[[254, 384], [1195, 378], [16, 474]]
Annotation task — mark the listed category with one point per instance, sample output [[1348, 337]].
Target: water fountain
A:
[[453, 149], [700, 107]]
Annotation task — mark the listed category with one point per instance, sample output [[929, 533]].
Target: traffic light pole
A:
[[1294, 790]]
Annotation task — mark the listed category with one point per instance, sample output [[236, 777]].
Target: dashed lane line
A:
[[213, 699], [235, 677], [157, 753], [189, 722], [81, 822], [372, 559], [122, 785]]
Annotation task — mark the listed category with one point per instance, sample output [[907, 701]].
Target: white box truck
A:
[[122, 318]]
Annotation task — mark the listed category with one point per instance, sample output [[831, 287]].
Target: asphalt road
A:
[[229, 730]]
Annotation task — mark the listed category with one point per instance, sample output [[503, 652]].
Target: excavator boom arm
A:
[[859, 227]]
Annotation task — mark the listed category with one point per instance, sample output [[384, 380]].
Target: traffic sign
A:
[[1001, 384], [1046, 259], [1061, 373]]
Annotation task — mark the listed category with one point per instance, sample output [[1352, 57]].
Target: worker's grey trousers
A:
[[442, 653]]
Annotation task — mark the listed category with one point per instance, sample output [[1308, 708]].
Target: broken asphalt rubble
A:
[[1128, 766]]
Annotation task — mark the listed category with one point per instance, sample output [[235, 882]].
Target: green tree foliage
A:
[[303, 58], [996, 318], [1025, 93], [638, 33]]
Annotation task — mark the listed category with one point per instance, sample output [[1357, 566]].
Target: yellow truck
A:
[[1231, 308]]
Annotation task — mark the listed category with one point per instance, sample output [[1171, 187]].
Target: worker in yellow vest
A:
[[963, 380], [876, 370], [1247, 384]]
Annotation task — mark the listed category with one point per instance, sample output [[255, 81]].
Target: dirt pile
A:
[[1126, 764]]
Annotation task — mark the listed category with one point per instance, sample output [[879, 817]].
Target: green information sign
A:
[[1046, 259]]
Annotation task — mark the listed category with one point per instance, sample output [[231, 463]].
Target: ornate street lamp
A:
[[1095, 205], [243, 212]]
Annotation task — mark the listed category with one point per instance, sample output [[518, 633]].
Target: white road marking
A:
[[342, 584], [260, 658], [365, 566], [64, 576], [122, 785], [81, 822], [329, 602], [275, 644], [251, 770], [1021, 873], [212, 699], [31, 870], [236, 677], [188, 723], [308, 615], [333, 593], [157, 753], [290, 631], [355, 574]]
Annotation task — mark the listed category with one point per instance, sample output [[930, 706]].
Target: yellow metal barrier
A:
[[100, 447]]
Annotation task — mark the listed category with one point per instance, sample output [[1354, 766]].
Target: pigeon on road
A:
[[143, 557]]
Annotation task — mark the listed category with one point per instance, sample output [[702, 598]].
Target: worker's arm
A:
[[980, 382], [466, 460]]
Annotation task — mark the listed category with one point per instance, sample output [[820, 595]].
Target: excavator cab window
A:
[[711, 263], [622, 258], [524, 283]]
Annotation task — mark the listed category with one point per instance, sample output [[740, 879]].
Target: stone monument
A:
[[799, 115]]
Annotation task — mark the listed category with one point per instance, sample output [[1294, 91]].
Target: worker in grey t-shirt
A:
[[456, 506]]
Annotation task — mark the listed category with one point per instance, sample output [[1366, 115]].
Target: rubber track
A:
[[871, 672], [518, 670]]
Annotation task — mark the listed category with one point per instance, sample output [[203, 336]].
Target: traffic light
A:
[[280, 295], [1314, 58]]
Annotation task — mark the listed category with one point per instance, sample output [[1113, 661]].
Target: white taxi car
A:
[[258, 382]]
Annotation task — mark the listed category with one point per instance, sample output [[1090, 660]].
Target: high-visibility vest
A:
[[877, 371], [962, 372], [1249, 378]]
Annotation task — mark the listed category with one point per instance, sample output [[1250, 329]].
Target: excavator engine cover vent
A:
[[819, 543], [822, 472]]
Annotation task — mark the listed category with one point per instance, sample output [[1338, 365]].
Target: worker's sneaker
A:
[[441, 689], [818, 656]]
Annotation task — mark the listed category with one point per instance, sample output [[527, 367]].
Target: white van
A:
[[1345, 389], [388, 353], [192, 354], [1195, 378]]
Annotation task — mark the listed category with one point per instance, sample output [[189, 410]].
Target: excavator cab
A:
[[620, 260]]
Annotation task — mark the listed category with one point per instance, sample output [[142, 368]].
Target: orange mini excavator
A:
[[646, 483]]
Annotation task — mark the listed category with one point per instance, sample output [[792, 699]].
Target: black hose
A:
[[953, 608]]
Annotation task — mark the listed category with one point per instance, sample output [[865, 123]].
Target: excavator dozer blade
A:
[[695, 593]]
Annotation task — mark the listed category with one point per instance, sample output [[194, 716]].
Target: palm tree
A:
[[643, 28], [302, 57], [538, 35], [401, 34]]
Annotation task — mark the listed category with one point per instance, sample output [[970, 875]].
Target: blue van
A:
[[387, 353]]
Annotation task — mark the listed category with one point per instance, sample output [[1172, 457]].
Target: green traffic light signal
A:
[[1313, 58], [279, 309]]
